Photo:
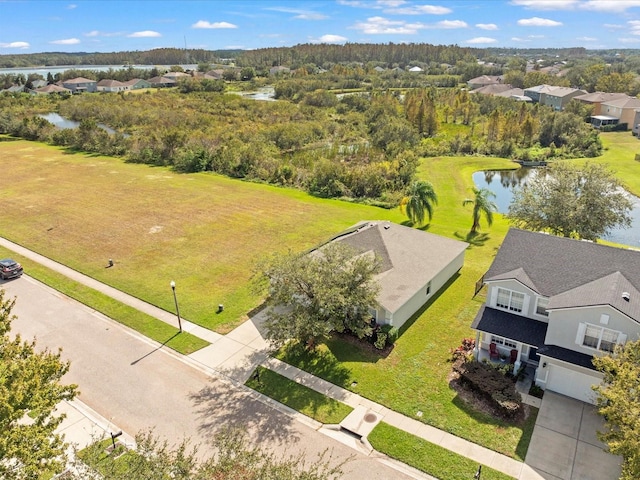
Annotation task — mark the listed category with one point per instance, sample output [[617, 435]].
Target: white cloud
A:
[[66, 41], [92, 33], [71, 6], [586, 39], [391, 3], [635, 27], [452, 24], [299, 13], [487, 26], [617, 6], [629, 40], [518, 39], [381, 25], [613, 26], [419, 10], [206, 24], [546, 4], [478, 40], [332, 39], [144, 34], [15, 45], [538, 22]]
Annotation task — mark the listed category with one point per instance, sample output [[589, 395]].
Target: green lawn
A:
[[428, 457], [147, 325], [302, 399]]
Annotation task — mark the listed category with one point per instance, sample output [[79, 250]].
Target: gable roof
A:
[[623, 102], [77, 80], [599, 97], [564, 92], [105, 82], [53, 88], [574, 272], [493, 88], [410, 258]]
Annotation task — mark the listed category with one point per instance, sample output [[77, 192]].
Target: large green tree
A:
[[580, 202], [235, 459], [619, 403], [312, 295], [30, 389], [482, 205], [419, 200]]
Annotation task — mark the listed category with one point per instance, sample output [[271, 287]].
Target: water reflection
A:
[[502, 183], [62, 122]]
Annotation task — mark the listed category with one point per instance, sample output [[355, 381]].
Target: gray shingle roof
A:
[[579, 273], [566, 355], [504, 324], [410, 257]]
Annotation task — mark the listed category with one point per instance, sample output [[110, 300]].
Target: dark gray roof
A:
[[410, 257], [566, 355], [504, 324], [582, 271]]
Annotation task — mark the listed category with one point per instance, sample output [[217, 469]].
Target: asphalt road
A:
[[138, 386]]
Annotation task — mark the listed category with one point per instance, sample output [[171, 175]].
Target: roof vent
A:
[[626, 296], [387, 226]]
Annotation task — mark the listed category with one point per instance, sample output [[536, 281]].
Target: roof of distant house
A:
[[110, 83], [53, 88], [493, 88], [623, 102], [73, 81], [597, 97]]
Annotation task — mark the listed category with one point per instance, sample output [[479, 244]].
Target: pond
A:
[[502, 183], [262, 93], [62, 122]]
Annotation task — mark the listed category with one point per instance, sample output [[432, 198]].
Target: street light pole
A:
[[175, 299]]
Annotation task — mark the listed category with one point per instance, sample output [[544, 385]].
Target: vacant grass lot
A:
[[204, 231]]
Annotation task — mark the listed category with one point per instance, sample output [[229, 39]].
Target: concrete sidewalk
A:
[[237, 354]]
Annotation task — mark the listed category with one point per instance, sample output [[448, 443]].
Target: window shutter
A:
[[494, 295], [580, 336], [622, 338]]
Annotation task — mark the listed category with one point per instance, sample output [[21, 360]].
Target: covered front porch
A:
[[504, 337]]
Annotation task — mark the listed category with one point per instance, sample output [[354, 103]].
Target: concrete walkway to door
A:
[[564, 445]]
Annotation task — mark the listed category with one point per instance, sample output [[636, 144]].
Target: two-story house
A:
[[554, 303]]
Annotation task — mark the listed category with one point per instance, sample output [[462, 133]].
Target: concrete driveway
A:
[[564, 445]]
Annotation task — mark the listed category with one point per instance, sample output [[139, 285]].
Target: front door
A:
[[533, 355]]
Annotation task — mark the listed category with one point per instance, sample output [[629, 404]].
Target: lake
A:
[[62, 122], [502, 183]]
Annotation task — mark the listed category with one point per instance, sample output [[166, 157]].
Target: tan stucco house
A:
[[415, 265], [555, 303]]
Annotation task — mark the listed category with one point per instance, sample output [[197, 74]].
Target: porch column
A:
[[516, 364], [476, 349]]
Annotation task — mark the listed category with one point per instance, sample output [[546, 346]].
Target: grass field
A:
[[206, 232]]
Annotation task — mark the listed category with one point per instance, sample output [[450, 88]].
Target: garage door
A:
[[571, 383]]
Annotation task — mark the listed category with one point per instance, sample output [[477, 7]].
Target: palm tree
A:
[[482, 204], [420, 198]]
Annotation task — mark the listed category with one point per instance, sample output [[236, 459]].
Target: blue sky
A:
[[108, 26]]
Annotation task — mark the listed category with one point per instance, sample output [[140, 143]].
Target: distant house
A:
[[136, 84], [214, 74], [483, 80], [622, 108], [596, 99], [176, 75], [538, 93], [379, 69], [14, 89], [415, 69], [53, 88], [415, 266], [559, 97], [160, 82], [107, 85], [493, 89], [279, 70], [80, 84], [38, 83], [553, 303]]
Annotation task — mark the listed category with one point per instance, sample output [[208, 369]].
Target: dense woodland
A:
[[341, 127]]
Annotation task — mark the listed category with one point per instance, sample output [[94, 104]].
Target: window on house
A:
[[510, 300], [599, 338], [503, 341], [541, 306]]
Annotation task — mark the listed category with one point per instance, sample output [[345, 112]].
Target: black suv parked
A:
[[10, 269]]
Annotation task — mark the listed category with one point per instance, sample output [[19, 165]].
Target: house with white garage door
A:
[[554, 303]]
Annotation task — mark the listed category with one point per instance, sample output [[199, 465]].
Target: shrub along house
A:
[[555, 303], [414, 265]]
